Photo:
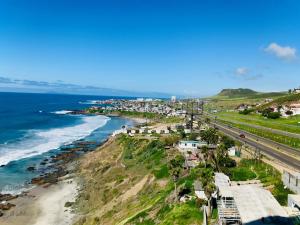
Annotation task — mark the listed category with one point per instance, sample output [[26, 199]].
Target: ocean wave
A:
[[89, 102], [42, 141], [62, 112]]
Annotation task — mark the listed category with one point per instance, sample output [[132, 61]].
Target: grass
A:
[[162, 172], [290, 141], [269, 176], [181, 214], [282, 100], [119, 167], [242, 174], [286, 124]]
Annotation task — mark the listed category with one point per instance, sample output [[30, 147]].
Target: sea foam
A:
[[41, 141], [62, 112]]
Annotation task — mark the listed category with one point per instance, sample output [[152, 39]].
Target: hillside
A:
[[247, 93], [231, 98], [237, 93], [284, 100], [127, 181]]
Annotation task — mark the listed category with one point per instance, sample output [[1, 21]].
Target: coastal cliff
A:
[[127, 181]]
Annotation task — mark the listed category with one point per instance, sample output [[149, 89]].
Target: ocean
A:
[[34, 126]]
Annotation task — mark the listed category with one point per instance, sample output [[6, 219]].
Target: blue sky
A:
[[184, 47]]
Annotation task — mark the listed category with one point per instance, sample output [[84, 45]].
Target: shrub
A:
[[162, 172], [273, 115], [246, 111]]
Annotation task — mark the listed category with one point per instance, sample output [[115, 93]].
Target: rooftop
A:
[[221, 180], [296, 198], [257, 205]]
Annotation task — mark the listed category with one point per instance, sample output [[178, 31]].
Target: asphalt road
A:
[[275, 131], [282, 154]]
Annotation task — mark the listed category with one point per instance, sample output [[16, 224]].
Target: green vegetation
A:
[[137, 181], [268, 113], [144, 115], [248, 93], [231, 98], [290, 141], [287, 99], [242, 174], [237, 93], [210, 136], [286, 124], [186, 213], [249, 169], [246, 111], [162, 172]]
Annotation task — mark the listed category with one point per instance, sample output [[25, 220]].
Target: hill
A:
[[237, 93], [231, 98], [245, 93], [284, 100]]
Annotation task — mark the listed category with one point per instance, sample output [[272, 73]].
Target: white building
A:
[[292, 181], [188, 144], [295, 108], [173, 99], [231, 151]]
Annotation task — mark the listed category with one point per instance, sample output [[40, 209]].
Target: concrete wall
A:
[[294, 201], [292, 181]]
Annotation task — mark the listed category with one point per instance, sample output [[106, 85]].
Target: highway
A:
[[282, 153]]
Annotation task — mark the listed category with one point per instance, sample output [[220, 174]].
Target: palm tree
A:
[[175, 167], [205, 153], [210, 136], [207, 180]]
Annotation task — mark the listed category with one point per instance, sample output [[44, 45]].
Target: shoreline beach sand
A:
[[43, 206]]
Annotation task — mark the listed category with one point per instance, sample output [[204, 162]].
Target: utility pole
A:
[[192, 112]]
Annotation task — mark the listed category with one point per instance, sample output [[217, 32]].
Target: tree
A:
[[227, 141], [273, 115], [175, 167], [210, 136], [193, 136], [265, 112], [207, 180], [246, 111], [205, 153]]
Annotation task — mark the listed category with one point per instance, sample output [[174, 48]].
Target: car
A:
[[242, 136]]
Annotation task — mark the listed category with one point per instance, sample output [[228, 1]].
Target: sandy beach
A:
[[43, 206]]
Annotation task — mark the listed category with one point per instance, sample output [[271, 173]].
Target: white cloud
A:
[[241, 71], [282, 52], [245, 73]]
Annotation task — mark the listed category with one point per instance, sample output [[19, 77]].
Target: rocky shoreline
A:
[[56, 177], [57, 166]]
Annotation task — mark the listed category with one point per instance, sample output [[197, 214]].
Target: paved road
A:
[[275, 131], [284, 154]]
